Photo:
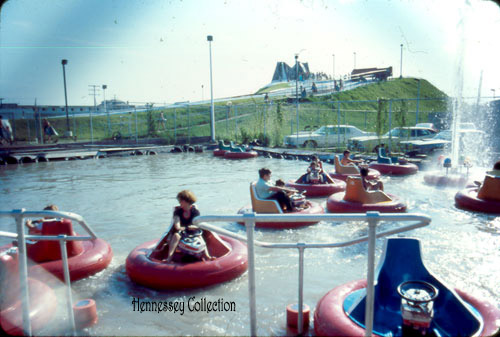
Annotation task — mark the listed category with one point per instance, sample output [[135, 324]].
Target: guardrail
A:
[[373, 218], [21, 237]]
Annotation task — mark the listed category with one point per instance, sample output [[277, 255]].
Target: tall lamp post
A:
[[104, 87], [297, 92], [212, 117], [68, 132], [493, 93], [418, 100], [354, 60], [401, 63], [202, 95], [333, 55]]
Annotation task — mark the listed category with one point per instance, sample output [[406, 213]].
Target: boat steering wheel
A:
[[418, 291]]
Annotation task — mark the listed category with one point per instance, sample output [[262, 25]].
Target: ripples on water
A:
[[129, 200]]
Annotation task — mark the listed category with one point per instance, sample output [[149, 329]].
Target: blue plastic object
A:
[[447, 163], [400, 262], [382, 156], [235, 148]]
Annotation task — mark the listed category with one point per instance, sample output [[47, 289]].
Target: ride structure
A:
[[23, 313], [185, 272], [341, 172], [408, 300], [484, 198], [267, 206], [356, 199], [392, 165]]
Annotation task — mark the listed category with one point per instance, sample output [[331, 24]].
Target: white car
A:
[[325, 136], [397, 135]]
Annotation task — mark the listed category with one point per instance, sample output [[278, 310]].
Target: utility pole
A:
[[93, 92], [401, 64]]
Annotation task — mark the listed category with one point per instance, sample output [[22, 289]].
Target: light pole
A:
[[297, 93], [401, 63], [212, 117], [333, 55], [68, 132], [202, 95], [418, 100], [104, 87], [354, 60], [493, 93]]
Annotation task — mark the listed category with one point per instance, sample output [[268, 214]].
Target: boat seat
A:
[[341, 169], [490, 189], [355, 192], [401, 261], [223, 146], [260, 205], [382, 156], [235, 148], [42, 251]]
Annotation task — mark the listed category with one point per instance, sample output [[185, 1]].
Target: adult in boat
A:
[[315, 174], [267, 190], [346, 160], [182, 226], [370, 185]]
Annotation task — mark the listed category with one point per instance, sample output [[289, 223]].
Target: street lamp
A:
[[68, 132], [333, 55], [202, 96], [297, 93], [354, 60], [418, 100], [401, 64], [493, 93], [212, 117], [104, 87]]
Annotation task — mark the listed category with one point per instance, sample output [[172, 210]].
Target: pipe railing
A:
[[21, 238], [373, 218]]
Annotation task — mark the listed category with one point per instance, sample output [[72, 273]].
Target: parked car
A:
[[397, 135], [467, 138], [328, 135], [427, 125]]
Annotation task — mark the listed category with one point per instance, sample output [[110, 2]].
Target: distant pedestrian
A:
[[6, 131], [49, 130], [162, 121]]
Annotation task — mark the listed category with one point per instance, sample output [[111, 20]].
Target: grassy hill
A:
[[374, 107]]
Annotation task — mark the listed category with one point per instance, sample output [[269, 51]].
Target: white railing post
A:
[[250, 226], [301, 247], [23, 270], [67, 281], [372, 228]]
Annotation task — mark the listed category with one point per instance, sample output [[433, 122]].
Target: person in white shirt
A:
[[267, 190]]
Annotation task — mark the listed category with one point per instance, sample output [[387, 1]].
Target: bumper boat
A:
[[318, 190], [266, 206], [222, 149], [230, 262], [43, 301], [484, 199], [85, 258], [392, 165], [409, 299], [341, 172], [240, 155], [357, 200]]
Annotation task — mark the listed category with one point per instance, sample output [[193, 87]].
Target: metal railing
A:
[[373, 218], [21, 237]]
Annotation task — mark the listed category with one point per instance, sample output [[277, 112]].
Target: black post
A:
[[64, 62]]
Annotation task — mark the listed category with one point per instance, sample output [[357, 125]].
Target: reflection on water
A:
[[129, 200]]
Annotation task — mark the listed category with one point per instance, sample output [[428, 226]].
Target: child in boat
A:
[[346, 161], [325, 177], [265, 189], [370, 185], [182, 225], [314, 175], [35, 227]]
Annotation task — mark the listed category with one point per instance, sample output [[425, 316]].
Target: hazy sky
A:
[[156, 51]]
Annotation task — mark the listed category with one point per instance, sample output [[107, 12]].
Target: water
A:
[[129, 200]]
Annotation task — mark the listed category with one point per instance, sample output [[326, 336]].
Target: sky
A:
[[157, 50]]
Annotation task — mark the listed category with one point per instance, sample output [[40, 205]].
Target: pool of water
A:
[[129, 200]]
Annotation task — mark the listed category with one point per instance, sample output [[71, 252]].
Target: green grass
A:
[[272, 88], [248, 119]]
